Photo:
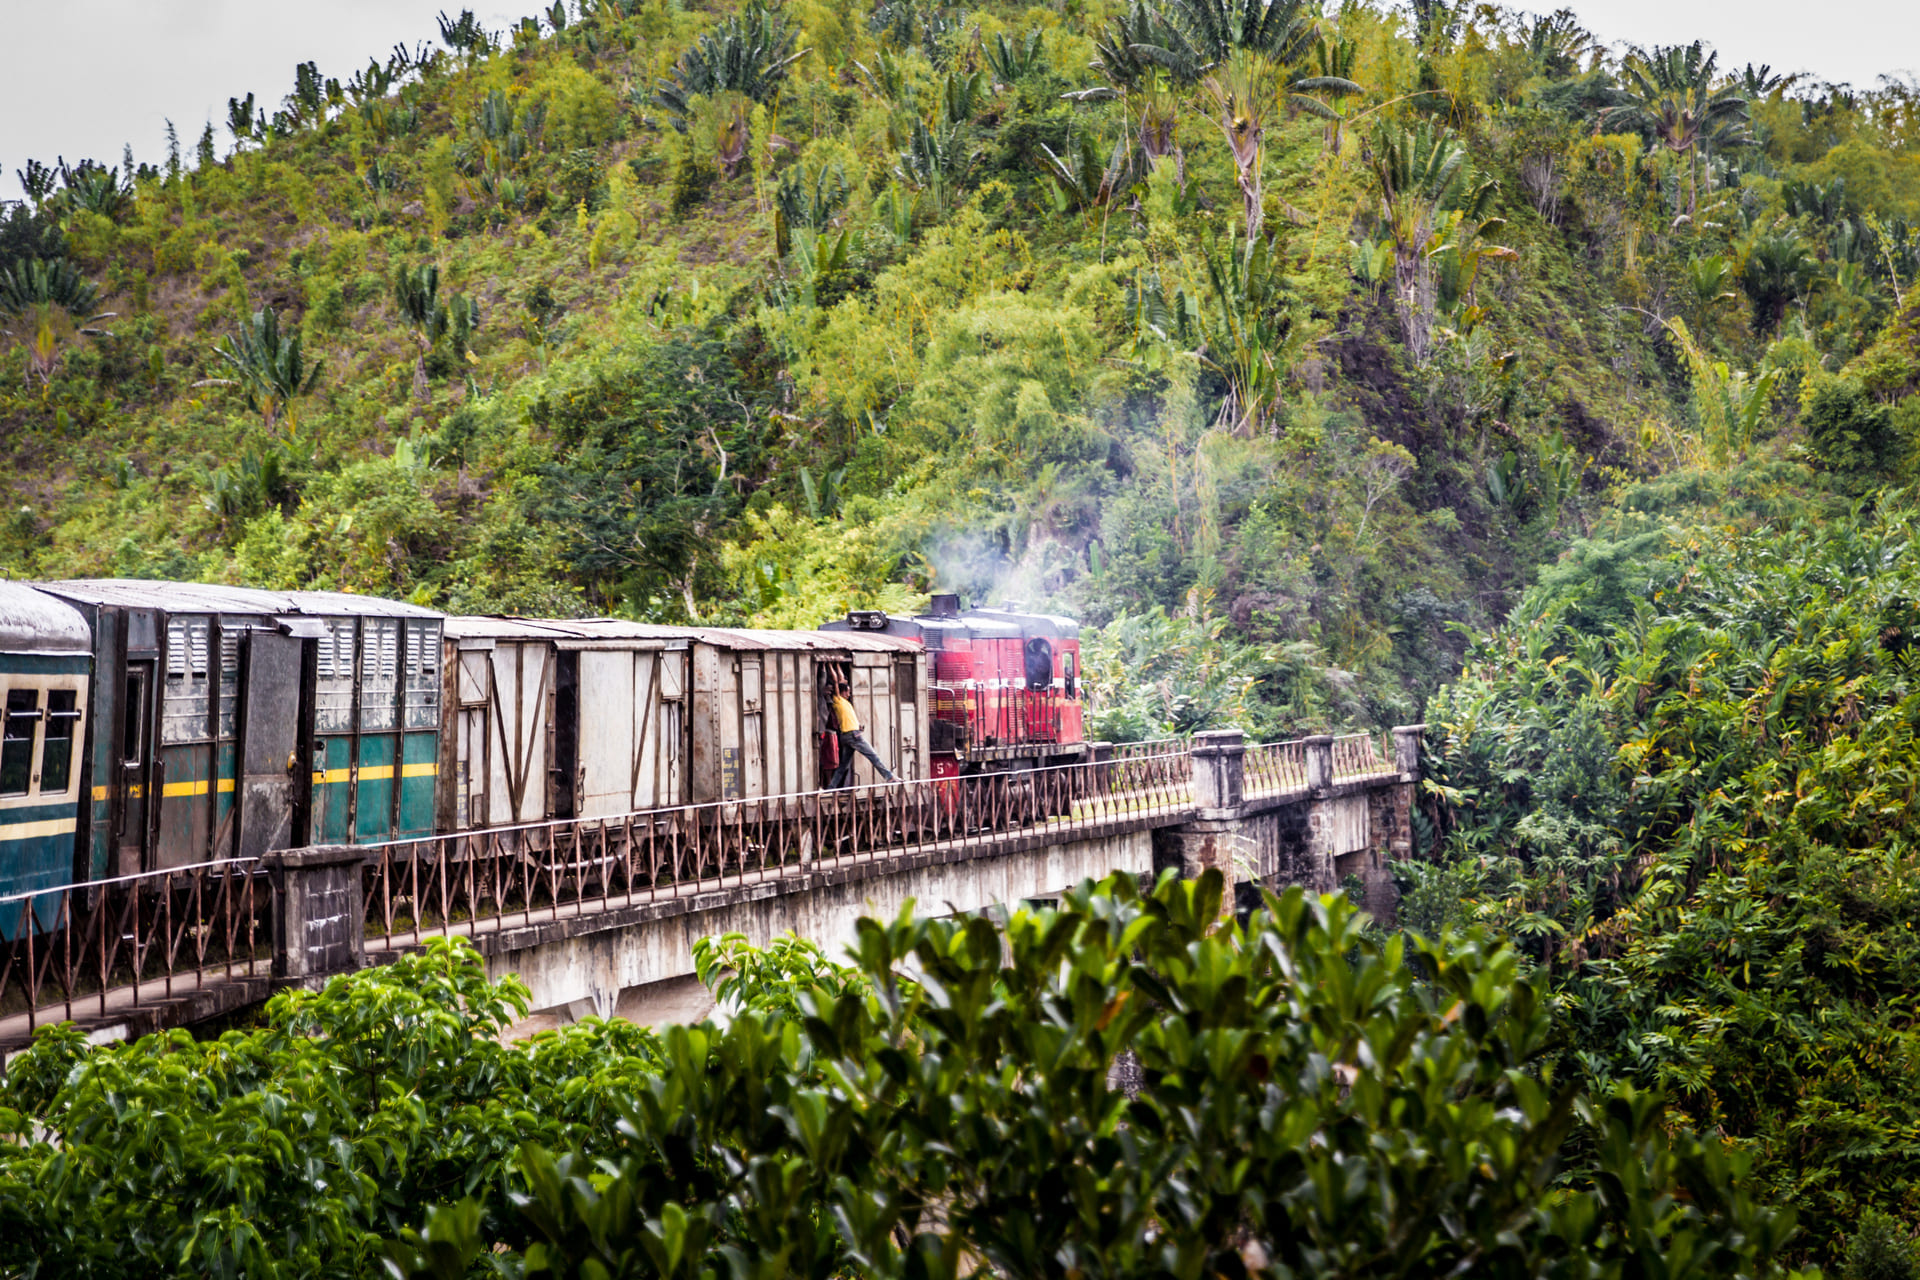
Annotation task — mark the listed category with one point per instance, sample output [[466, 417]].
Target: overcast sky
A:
[[84, 77]]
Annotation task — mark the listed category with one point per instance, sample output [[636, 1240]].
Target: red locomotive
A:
[[1004, 685]]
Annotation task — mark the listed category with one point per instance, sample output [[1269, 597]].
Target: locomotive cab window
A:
[[1039, 664], [56, 752], [1067, 665], [16, 746]]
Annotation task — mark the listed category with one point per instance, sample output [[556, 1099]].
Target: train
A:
[[153, 725]]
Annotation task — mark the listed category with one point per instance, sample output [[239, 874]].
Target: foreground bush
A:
[[1314, 1102]]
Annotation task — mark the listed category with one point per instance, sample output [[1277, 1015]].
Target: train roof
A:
[[34, 622], [347, 603], [1046, 624], [171, 597], [213, 597], [565, 631]]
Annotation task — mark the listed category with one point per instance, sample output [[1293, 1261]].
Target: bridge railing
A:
[[499, 877], [1276, 766], [105, 945], [1355, 754]]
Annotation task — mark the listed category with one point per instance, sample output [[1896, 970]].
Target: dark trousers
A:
[[843, 772]]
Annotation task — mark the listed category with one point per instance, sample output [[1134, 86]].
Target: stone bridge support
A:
[[1331, 835]]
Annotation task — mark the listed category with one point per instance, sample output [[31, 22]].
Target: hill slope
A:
[[759, 315]]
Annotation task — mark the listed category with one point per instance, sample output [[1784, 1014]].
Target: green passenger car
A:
[[44, 683]]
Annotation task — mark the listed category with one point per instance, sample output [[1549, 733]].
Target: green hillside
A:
[[1277, 343]]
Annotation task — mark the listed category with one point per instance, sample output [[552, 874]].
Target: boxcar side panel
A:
[[517, 778]]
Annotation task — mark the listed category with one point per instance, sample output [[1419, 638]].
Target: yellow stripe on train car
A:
[[37, 830], [199, 788], [375, 772]]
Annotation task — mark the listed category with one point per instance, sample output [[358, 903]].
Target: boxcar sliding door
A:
[[631, 729]]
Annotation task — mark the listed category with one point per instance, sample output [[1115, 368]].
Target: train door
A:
[[563, 737], [269, 741], [377, 758], [517, 754], [473, 690], [132, 769], [828, 676], [669, 742], [180, 795], [908, 715], [629, 745], [747, 767]]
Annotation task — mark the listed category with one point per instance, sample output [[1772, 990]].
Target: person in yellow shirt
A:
[[847, 725]]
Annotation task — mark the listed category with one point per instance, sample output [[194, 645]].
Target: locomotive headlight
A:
[[866, 620]]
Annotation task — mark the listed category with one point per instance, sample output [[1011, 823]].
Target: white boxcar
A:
[[595, 717]]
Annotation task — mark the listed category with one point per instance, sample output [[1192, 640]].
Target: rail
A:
[[480, 880], [109, 945]]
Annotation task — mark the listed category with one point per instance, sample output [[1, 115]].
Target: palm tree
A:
[[267, 365], [1670, 95], [1779, 270], [416, 296], [750, 53], [1433, 204], [1240, 96], [46, 302]]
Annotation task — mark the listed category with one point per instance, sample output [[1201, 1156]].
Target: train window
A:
[[1039, 664], [379, 674], [16, 741], [1067, 666], [56, 752], [133, 725], [475, 675], [423, 676], [183, 701]]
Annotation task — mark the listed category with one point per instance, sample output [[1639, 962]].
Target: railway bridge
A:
[[599, 915]]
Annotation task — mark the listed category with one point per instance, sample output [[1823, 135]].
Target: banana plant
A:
[[416, 296], [799, 203], [1240, 326], [46, 303], [267, 366], [1082, 179], [1013, 59], [936, 159], [750, 53]]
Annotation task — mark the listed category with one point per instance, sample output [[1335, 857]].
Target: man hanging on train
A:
[[847, 724]]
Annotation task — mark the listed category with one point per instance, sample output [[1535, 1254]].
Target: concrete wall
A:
[[598, 967]]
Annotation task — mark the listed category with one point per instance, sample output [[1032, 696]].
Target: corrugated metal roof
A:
[[174, 597], [34, 622], [613, 629], [211, 597], [347, 604]]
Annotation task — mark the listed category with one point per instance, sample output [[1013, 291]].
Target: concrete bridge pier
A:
[[1339, 833]]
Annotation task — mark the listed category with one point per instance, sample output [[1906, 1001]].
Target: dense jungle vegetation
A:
[[1341, 364], [1390, 1106], [1287, 341]]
